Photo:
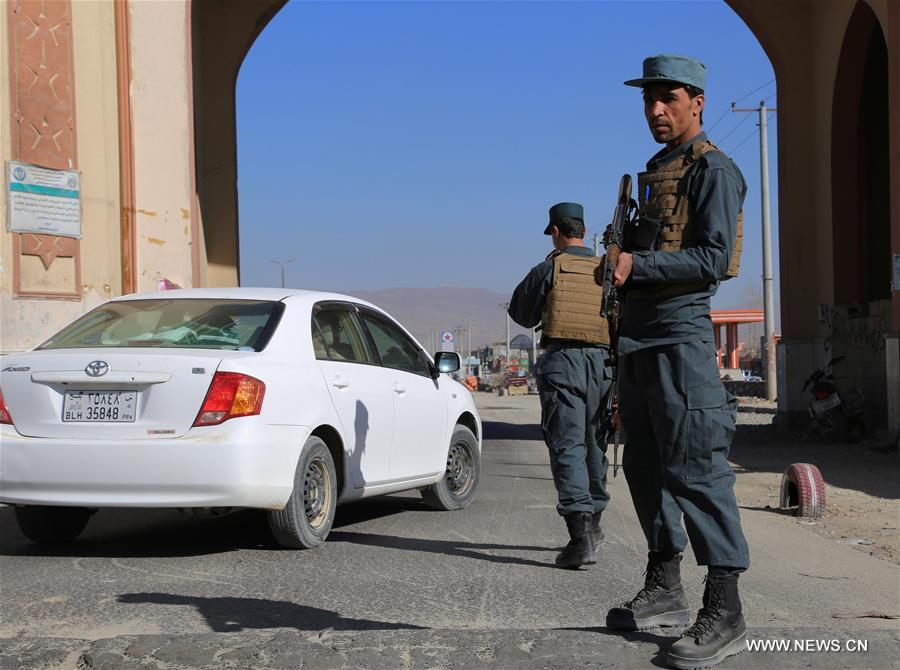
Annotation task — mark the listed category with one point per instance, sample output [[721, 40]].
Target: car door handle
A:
[[399, 389], [340, 383]]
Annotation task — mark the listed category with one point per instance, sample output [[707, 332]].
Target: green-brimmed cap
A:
[[562, 210], [676, 69]]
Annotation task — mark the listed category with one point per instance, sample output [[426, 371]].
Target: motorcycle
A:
[[834, 414]]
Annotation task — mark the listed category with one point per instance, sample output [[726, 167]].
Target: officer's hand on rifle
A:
[[607, 235], [623, 269]]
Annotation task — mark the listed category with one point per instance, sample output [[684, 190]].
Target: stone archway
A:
[[860, 164], [222, 34]]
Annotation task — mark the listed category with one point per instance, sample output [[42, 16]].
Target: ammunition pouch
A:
[[642, 234]]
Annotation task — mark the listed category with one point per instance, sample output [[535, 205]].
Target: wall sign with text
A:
[[43, 201]]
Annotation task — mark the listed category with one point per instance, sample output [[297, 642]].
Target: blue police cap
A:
[[675, 69], [562, 210]]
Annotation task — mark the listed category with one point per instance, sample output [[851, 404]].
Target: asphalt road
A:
[[400, 586]]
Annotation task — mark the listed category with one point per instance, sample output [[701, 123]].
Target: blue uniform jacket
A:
[[716, 191]]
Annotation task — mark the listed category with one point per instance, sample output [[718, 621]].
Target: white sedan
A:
[[287, 400]]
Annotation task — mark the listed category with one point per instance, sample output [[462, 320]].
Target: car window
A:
[[394, 347], [203, 323], [343, 339], [318, 342]]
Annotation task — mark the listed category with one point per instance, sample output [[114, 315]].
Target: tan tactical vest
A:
[[572, 310], [667, 200]]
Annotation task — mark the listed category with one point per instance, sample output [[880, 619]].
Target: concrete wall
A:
[[27, 321], [805, 71], [162, 134]]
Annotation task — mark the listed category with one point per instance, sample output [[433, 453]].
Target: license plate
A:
[[100, 406], [825, 404]]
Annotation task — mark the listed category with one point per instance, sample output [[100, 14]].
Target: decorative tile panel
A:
[[43, 108]]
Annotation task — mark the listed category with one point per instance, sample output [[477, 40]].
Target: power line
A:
[[753, 91], [728, 109], [743, 141], [747, 95], [738, 125]]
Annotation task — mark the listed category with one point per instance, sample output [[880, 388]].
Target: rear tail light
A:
[[4, 413], [230, 395]]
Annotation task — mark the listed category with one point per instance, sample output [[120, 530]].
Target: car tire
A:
[[460, 481], [803, 490], [45, 524], [306, 519]]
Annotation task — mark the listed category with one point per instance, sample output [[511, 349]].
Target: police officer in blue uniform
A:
[[574, 376], [678, 418]]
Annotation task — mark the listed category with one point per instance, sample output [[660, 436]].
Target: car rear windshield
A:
[[193, 323]]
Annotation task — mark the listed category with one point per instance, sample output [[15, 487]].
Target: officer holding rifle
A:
[[678, 418]]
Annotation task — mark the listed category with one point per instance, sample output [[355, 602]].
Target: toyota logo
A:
[[97, 368]]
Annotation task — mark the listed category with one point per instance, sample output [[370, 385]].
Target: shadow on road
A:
[[444, 547], [157, 533], [231, 615], [500, 430], [849, 466], [548, 479], [662, 642], [138, 533]]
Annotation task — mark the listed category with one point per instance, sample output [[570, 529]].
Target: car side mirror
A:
[[447, 361]]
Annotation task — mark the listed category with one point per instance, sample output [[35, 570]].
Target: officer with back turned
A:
[[678, 417], [574, 375]]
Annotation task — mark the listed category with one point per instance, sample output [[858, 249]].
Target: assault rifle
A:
[[610, 306]]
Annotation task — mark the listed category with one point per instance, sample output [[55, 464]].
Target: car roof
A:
[[243, 293]]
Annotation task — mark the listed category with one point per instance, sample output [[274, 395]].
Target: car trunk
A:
[[107, 394]]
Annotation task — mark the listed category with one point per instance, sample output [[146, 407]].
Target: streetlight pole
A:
[[505, 306], [768, 290], [768, 284], [282, 264]]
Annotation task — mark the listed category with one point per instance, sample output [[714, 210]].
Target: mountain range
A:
[[427, 312]]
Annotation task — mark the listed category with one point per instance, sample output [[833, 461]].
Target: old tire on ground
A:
[[460, 481], [46, 524], [306, 519], [803, 488]]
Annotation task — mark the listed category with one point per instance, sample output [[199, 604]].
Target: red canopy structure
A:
[[730, 319]]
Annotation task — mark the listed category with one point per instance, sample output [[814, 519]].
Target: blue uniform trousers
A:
[[679, 422], [573, 382]]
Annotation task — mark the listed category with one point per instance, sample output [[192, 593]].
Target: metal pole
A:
[[768, 284], [504, 306], [282, 264], [468, 347], [534, 351], [596, 244]]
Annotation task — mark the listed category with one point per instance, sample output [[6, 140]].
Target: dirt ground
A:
[[862, 485]]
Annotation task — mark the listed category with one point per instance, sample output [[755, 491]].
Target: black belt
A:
[[554, 345]]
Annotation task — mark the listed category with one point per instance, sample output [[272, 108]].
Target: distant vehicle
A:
[[285, 400]]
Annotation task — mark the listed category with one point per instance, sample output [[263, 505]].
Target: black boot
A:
[[718, 632], [596, 529], [660, 603], [581, 549]]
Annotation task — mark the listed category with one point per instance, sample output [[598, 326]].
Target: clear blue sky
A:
[[388, 144]]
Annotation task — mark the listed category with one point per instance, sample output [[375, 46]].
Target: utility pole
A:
[[469, 347], [768, 283], [596, 239], [505, 306], [282, 264]]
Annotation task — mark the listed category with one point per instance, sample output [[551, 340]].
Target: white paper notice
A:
[[43, 201]]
